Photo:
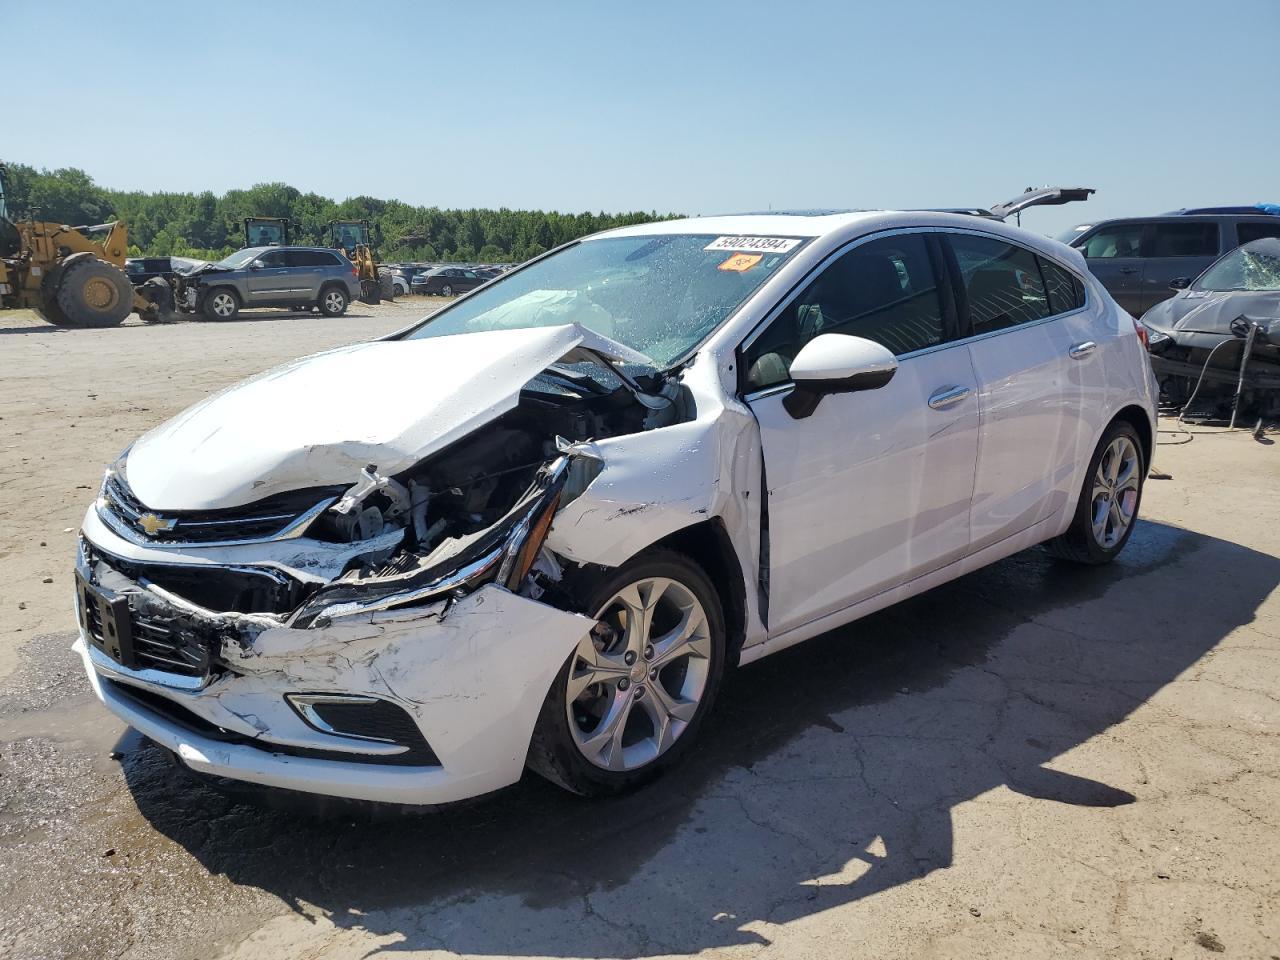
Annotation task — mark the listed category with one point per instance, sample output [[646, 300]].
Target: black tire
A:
[[220, 303], [1080, 543], [159, 294], [386, 285], [446, 291], [333, 301], [93, 293], [554, 752]]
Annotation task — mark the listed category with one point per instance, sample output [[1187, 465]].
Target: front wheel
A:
[[446, 291], [333, 302], [221, 304], [629, 700], [1107, 510]]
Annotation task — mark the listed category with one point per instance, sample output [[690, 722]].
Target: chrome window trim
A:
[[804, 285]]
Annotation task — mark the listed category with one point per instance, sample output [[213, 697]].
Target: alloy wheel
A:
[[638, 678], [224, 305], [1115, 492], [333, 301]]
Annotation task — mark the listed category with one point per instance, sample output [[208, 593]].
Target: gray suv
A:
[[1138, 258], [296, 278]]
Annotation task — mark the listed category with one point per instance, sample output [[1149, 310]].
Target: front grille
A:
[[260, 520], [216, 588], [156, 645]]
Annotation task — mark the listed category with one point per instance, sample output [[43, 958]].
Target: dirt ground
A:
[[1035, 761]]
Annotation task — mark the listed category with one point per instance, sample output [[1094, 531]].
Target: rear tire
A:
[[333, 301], [93, 293], [1107, 509], [629, 701], [446, 291], [221, 303]]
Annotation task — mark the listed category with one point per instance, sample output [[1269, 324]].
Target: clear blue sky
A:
[[684, 106]]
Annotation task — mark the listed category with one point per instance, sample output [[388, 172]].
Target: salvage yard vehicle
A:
[[295, 278], [1215, 346], [537, 528], [1138, 257], [446, 281]]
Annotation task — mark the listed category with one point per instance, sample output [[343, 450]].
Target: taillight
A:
[[355, 273], [1142, 334]]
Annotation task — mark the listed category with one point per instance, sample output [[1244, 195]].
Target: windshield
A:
[[240, 258], [660, 295], [1255, 266], [1067, 236]]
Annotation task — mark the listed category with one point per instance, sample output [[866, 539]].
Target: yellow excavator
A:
[[352, 238], [72, 276]]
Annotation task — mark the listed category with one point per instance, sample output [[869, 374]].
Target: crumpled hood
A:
[[1212, 313], [319, 420]]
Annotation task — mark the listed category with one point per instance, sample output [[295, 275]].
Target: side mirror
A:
[[1180, 283], [256, 265], [836, 363]]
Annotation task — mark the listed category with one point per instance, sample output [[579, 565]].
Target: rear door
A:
[[873, 488], [1038, 369], [1114, 253], [1173, 249], [308, 272]]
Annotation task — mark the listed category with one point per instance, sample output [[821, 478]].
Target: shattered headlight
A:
[[1155, 338], [503, 553]]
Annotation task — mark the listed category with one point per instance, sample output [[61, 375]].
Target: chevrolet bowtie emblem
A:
[[151, 524]]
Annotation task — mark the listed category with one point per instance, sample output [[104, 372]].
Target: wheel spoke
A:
[[607, 736], [592, 666], [688, 638], [640, 601]]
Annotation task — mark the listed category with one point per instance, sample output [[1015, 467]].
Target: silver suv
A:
[[296, 278]]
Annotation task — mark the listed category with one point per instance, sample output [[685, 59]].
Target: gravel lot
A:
[[1034, 761]]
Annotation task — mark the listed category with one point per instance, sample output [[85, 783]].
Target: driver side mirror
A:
[[1180, 283], [256, 265], [836, 363]]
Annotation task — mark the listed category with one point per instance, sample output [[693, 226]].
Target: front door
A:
[[1114, 255], [270, 282], [873, 488]]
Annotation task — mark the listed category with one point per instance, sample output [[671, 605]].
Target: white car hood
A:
[[319, 420]]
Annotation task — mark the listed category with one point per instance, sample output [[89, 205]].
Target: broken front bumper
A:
[[468, 676]]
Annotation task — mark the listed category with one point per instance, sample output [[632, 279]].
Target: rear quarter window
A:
[[1183, 240], [1250, 230], [1065, 292]]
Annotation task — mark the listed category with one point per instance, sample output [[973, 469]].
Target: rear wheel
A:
[[1107, 510], [93, 293], [221, 304], [333, 302], [630, 698], [446, 291]]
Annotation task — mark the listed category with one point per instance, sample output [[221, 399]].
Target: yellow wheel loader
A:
[[72, 276], [352, 238]]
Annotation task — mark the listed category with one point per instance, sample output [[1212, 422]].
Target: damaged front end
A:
[[385, 621]]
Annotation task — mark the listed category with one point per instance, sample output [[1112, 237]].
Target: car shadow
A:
[[827, 773]]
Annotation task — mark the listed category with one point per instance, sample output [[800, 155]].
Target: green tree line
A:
[[209, 226]]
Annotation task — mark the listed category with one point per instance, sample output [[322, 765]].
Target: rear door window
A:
[[1182, 240], [1250, 230], [1066, 293], [1002, 283], [1117, 240]]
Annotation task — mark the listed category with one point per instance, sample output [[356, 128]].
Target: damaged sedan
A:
[[535, 529], [1215, 346]]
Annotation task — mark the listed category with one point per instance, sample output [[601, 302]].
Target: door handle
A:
[[1128, 269], [947, 397], [1079, 351]]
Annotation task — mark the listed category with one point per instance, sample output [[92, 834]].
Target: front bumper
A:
[[471, 673]]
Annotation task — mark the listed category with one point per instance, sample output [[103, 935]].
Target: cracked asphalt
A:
[[1034, 761]]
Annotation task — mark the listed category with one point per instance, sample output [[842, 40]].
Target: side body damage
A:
[[393, 638]]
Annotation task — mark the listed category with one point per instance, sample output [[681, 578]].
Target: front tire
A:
[[628, 702], [446, 291], [1107, 510], [221, 303], [333, 302], [93, 293]]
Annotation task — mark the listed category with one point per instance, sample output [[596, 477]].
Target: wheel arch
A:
[[708, 544], [1140, 420]]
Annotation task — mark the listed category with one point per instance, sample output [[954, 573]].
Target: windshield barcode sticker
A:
[[753, 244]]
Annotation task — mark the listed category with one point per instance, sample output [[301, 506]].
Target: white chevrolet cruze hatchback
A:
[[537, 528]]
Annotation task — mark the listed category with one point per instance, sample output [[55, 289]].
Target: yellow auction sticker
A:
[[741, 262]]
